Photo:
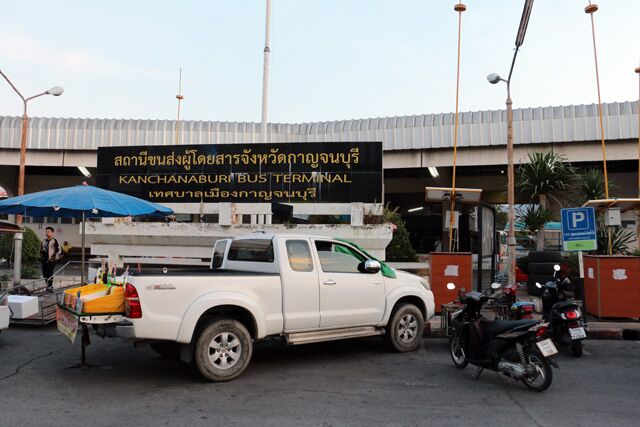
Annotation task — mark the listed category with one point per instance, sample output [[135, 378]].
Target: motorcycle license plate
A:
[[577, 333], [547, 348]]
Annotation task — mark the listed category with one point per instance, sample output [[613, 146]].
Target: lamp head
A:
[[494, 78], [55, 91]]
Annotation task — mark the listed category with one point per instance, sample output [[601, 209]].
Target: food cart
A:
[[93, 304]]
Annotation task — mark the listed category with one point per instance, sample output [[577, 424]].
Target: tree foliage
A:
[[547, 176], [30, 247], [399, 249], [592, 185], [620, 239], [534, 217]]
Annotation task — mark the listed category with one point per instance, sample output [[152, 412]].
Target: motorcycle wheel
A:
[[576, 348], [541, 380], [456, 351]]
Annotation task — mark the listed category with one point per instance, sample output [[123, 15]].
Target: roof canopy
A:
[[624, 204], [8, 228]]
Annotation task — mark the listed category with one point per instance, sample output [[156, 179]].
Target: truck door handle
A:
[[329, 282]]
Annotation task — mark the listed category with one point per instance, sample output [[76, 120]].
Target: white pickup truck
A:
[[303, 288]]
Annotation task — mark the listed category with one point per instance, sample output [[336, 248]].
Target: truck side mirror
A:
[[372, 266]]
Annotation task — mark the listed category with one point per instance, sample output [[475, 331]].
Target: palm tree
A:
[[548, 177], [592, 185], [592, 188], [534, 217], [620, 239]]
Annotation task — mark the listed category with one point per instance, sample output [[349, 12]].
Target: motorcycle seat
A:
[[497, 327], [564, 305]]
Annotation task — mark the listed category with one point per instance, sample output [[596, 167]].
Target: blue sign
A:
[[578, 229]]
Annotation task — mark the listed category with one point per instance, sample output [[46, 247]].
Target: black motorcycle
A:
[[564, 317], [517, 348]]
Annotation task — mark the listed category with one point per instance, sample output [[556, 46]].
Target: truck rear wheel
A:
[[223, 350], [405, 328]]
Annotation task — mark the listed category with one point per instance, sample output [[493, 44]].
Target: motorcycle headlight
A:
[[425, 283]]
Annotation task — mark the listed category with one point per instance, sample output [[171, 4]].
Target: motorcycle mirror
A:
[[451, 286], [496, 285], [556, 267], [538, 285]]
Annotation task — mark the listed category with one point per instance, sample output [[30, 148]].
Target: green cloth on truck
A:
[[386, 270]]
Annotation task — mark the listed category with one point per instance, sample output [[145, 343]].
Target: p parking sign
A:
[[578, 229]]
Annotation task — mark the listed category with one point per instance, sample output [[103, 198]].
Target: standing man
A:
[[49, 255]]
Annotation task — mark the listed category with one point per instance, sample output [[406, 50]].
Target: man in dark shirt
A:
[[49, 255]]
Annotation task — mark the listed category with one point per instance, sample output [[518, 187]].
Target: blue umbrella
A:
[[80, 201]]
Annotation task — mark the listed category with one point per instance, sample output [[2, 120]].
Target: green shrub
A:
[[30, 247], [6, 246], [30, 272], [400, 249], [620, 239]]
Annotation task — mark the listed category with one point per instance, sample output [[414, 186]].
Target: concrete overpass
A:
[[56, 146], [410, 142]]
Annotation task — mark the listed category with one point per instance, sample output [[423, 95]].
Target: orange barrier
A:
[[612, 285], [446, 267]]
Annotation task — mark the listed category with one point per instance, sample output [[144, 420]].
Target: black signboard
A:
[[314, 172]]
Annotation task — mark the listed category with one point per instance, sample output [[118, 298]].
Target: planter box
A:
[[445, 267], [612, 285]]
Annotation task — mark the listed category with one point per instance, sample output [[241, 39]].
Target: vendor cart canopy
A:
[[78, 201]]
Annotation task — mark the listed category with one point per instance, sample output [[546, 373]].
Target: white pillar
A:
[[265, 74]]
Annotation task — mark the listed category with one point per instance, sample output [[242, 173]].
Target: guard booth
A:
[[477, 225]]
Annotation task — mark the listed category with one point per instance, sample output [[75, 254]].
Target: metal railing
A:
[[47, 301]]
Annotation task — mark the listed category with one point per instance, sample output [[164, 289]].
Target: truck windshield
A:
[[253, 250]]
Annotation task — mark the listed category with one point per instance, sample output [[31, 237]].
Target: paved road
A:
[[342, 383]]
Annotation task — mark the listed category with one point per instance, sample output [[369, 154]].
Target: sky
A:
[[330, 59]]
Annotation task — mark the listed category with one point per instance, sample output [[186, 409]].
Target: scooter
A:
[[565, 317], [517, 348], [518, 310]]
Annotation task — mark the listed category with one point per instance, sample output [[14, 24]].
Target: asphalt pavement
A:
[[355, 382]]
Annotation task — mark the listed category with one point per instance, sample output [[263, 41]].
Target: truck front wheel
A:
[[405, 328], [223, 350]]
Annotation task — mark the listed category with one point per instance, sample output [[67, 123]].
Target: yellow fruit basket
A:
[[95, 298]]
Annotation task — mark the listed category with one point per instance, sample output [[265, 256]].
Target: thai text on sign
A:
[[338, 172]]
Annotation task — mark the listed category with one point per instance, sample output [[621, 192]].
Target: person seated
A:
[[66, 247]]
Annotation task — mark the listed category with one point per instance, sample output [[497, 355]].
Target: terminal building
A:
[[417, 153]]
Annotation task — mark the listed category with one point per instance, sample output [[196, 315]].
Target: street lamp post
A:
[[494, 79], [17, 255]]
